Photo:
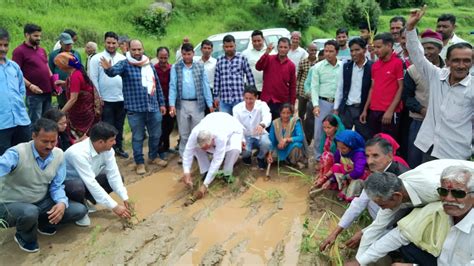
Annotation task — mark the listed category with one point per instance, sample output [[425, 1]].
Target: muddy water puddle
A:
[[253, 234]]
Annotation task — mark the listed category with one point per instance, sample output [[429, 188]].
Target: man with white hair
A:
[[296, 53], [219, 134], [453, 246], [398, 195], [91, 50]]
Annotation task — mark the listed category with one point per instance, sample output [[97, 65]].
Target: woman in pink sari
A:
[[83, 106]]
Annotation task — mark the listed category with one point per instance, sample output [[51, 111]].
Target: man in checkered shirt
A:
[[229, 77]]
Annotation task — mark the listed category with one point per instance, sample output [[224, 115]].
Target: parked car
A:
[[320, 42], [243, 40]]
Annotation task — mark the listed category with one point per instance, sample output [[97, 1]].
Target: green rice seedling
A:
[[260, 195], [298, 173], [130, 222], [93, 235]]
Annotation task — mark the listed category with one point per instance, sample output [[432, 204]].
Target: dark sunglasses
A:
[[456, 193]]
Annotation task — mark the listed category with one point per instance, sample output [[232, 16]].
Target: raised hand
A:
[[415, 16]]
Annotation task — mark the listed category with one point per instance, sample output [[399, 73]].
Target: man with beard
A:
[[14, 120], [231, 67], [110, 89], [344, 53], [379, 154], [33, 62], [143, 100], [446, 131], [446, 25], [279, 77]]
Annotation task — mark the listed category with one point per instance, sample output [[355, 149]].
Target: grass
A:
[[93, 235], [3, 224], [272, 195]]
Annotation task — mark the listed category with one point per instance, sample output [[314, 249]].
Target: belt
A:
[[331, 100], [356, 105], [192, 100]]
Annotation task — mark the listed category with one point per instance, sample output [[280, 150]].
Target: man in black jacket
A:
[[353, 88]]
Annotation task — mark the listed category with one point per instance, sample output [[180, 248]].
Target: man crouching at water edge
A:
[[220, 135], [92, 172], [32, 196]]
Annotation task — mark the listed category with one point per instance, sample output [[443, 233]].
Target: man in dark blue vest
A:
[[189, 94], [352, 92]]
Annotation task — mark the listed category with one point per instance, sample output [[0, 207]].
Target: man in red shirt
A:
[[33, 62], [386, 90], [279, 77], [163, 68]]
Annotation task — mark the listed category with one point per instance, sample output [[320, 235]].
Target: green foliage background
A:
[[201, 18]]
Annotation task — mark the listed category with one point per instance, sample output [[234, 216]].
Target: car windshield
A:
[[218, 50]]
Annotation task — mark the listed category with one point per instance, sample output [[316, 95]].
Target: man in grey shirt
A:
[[446, 132]]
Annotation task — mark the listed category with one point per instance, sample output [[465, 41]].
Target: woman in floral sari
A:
[[286, 135], [332, 125], [83, 104]]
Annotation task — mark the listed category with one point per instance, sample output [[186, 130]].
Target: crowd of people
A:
[[367, 110]]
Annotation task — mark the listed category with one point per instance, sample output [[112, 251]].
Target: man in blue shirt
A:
[[189, 94], [143, 100], [14, 120], [32, 196]]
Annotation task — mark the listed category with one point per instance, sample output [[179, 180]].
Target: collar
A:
[[36, 154], [388, 166], [31, 47], [466, 224], [92, 151], [444, 76], [363, 65], [326, 62], [184, 65]]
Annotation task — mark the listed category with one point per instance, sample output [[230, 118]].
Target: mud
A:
[[230, 226]]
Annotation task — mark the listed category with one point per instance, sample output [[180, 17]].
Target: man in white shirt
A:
[[255, 116], [296, 53], [446, 25], [446, 131], [455, 192], [253, 55], [92, 172], [208, 61], [110, 88], [219, 134], [396, 197], [379, 153]]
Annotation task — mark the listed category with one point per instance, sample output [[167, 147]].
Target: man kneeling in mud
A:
[[220, 135]]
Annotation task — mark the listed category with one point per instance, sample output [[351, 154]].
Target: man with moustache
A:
[[231, 67], [253, 54], [445, 25], [143, 100], [14, 120], [379, 154], [353, 88], [33, 61], [344, 53], [296, 53], [396, 25], [279, 77], [446, 131], [208, 61], [110, 89], [455, 192], [415, 92]]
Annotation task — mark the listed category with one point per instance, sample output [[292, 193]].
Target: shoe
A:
[[159, 162], [84, 221], [180, 160], [90, 207], [262, 164], [47, 230], [120, 152], [28, 247], [247, 160], [141, 169]]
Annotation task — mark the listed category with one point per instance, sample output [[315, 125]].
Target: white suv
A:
[[243, 40]]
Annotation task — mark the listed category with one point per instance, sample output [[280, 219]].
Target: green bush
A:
[[299, 17], [391, 4], [152, 21], [355, 12]]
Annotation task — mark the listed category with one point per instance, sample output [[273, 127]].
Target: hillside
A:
[[194, 18]]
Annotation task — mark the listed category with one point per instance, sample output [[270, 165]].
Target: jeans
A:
[[350, 118], [76, 189], [114, 114], [38, 104], [308, 123], [26, 217], [12, 136], [415, 155], [263, 145], [138, 121], [227, 107]]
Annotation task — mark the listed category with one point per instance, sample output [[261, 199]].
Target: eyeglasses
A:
[[456, 193]]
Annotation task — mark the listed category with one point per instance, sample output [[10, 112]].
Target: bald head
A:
[[312, 51], [136, 49]]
